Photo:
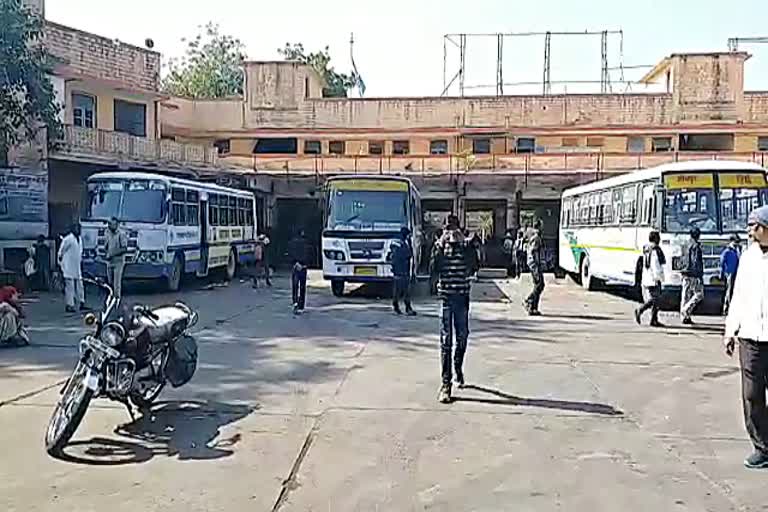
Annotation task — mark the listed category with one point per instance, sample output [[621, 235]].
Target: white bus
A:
[[604, 225], [174, 226], [362, 217]]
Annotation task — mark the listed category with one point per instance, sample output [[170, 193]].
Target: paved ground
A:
[[578, 410]]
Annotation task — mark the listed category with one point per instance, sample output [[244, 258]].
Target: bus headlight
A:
[[150, 257], [334, 255]]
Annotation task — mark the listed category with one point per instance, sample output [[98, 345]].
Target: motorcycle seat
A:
[[171, 322]]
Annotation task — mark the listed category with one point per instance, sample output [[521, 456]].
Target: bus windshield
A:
[[372, 210], [128, 200], [690, 208], [740, 193]]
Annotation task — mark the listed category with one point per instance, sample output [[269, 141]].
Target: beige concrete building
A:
[[508, 156]]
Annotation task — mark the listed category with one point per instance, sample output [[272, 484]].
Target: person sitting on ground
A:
[[11, 317]]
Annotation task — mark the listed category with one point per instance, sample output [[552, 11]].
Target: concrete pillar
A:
[[459, 208], [513, 212]]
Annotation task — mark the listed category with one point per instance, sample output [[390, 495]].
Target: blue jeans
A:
[[454, 316]]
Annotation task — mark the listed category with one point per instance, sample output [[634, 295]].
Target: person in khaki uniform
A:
[[116, 249]]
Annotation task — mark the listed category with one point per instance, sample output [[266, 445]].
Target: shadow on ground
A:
[[501, 398], [188, 430]]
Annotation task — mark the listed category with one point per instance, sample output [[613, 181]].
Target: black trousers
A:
[[537, 276], [754, 378], [652, 296], [299, 286], [401, 289]]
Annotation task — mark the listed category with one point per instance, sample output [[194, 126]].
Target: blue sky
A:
[[399, 44]]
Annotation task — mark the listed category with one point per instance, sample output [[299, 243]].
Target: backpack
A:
[[182, 361]]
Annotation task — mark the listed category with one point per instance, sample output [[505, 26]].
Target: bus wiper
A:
[[351, 218]]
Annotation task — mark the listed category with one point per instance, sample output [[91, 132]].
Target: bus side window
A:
[[193, 208], [178, 206], [213, 210]]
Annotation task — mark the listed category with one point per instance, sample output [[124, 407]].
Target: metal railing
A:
[[520, 163], [122, 146]]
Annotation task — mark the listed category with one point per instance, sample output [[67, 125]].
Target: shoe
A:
[[534, 312], [410, 312], [70, 309], [295, 308], [637, 317], [657, 324], [397, 311], [460, 380], [444, 397], [83, 307], [758, 460], [687, 321]]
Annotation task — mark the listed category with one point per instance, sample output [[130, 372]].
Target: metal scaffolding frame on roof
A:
[[459, 41]]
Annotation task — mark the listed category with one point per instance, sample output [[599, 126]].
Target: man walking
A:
[[70, 259], [298, 251], [692, 261], [402, 255], [454, 261], [747, 326], [116, 249], [519, 253], [42, 264], [653, 275], [535, 266], [509, 250], [729, 265]]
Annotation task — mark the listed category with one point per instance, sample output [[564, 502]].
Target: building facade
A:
[[507, 158]]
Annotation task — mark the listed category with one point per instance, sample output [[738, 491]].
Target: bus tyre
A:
[[587, 281], [174, 278], [231, 265], [337, 287]]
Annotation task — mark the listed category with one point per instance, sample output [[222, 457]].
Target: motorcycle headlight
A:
[[112, 334]]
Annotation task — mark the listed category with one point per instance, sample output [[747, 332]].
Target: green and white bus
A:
[[605, 224]]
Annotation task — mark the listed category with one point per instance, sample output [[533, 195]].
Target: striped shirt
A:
[[454, 262]]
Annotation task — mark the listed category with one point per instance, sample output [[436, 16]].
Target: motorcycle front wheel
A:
[[69, 411]]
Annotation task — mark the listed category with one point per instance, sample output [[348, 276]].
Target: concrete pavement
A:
[[580, 409]]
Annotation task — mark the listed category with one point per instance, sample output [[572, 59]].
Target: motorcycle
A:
[[128, 357]]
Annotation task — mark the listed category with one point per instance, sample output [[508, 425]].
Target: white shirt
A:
[[748, 312], [654, 275], [71, 257]]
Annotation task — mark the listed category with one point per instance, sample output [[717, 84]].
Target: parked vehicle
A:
[[128, 358]]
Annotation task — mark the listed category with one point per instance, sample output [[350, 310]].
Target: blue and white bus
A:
[[174, 226]]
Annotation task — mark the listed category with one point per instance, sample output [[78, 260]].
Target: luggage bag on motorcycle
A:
[[182, 361]]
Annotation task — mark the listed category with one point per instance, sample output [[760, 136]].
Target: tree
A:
[[27, 100], [338, 84], [211, 67]]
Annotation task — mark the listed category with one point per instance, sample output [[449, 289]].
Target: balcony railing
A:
[[121, 147], [521, 163]]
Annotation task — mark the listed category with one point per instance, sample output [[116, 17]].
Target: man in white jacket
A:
[[653, 276], [70, 260], [747, 326]]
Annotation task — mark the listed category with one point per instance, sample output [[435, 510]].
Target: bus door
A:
[[202, 269]]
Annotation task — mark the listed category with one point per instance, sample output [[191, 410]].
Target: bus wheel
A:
[[174, 279], [231, 265], [587, 281], [337, 287]]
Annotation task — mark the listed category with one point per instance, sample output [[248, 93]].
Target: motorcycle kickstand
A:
[[128, 406]]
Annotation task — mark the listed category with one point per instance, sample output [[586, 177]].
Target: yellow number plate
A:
[[682, 181], [365, 271], [742, 181]]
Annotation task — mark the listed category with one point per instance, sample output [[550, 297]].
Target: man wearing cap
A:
[[692, 261], [401, 255], [116, 247], [747, 326], [729, 265]]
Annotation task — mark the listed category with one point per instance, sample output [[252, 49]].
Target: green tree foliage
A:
[[338, 84], [211, 67], [27, 100]]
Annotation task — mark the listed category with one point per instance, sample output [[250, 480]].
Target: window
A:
[[525, 145], [213, 210], [605, 213], [595, 142], [375, 147], [222, 146], [131, 118], [636, 145], [193, 208], [762, 143], [179, 214], [661, 144], [84, 110], [706, 142], [401, 147], [336, 147], [481, 146], [628, 205], [277, 146], [312, 147], [438, 147], [570, 142], [249, 213]]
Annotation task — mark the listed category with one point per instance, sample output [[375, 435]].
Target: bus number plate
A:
[[365, 271]]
